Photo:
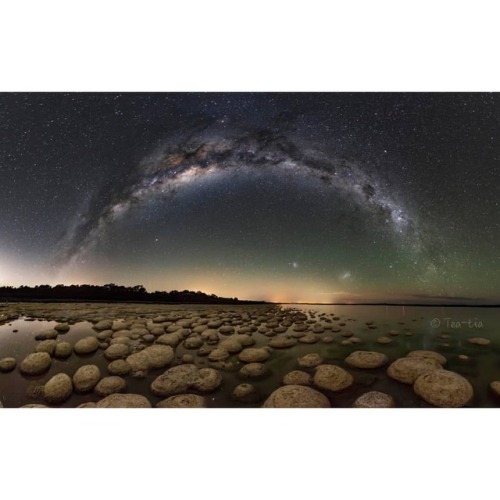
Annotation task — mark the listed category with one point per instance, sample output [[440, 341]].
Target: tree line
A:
[[111, 292]]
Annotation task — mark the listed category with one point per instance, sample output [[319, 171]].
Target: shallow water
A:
[[458, 324], [426, 324]]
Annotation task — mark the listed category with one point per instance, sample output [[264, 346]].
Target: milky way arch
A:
[[183, 160]]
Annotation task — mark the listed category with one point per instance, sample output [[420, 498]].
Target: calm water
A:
[[444, 330]]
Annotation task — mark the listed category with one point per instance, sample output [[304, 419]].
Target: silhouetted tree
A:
[[109, 292]]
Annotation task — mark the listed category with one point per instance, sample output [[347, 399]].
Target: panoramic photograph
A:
[[249, 250]]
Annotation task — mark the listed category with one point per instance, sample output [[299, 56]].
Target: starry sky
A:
[[303, 197]]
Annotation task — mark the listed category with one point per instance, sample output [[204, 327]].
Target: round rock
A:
[[495, 388], [244, 393], [204, 351], [160, 319], [116, 351], [374, 399], [171, 339], [139, 361], [124, 401], [89, 404], [218, 355], [297, 377], [86, 378], [384, 340], [253, 355], [444, 389], [300, 328], [47, 346], [120, 333], [427, 355], [183, 401], [214, 324], [407, 370], [159, 355], [46, 334], [309, 338], [207, 380], [86, 345], [105, 335], [296, 396], [119, 367], [282, 342], [244, 339], [63, 350], [254, 370], [479, 341], [366, 359], [193, 342], [310, 360], [138, 332], [62, 327], [332, 378], [35, 364], [110, 385], [104, 324], [58, 389], [175, 380], [7, 364], [231, 345]]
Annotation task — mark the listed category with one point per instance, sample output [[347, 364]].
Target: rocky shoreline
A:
[[181, 357]]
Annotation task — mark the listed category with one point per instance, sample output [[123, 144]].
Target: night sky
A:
[[304, 197]]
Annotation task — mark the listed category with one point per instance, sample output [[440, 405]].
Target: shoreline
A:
[[5, 303]]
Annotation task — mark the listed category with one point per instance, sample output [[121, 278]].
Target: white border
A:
[[257, 46]]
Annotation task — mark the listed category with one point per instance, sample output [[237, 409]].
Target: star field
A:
[[287, 197]]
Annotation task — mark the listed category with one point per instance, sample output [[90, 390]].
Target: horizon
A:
[[438, 301]]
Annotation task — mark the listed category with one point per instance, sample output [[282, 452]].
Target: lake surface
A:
[[444, 330]]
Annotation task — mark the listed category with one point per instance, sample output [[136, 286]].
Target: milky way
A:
[[185, 159]]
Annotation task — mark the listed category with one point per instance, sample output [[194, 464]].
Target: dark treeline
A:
[[110, 292]]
